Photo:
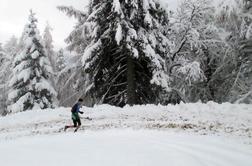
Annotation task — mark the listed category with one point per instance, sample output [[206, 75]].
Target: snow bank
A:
[[231, 120]]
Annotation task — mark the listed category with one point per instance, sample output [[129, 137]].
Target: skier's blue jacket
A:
[[76, 108]]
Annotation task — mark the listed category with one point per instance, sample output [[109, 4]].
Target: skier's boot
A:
[[76, 129], [65, 128]]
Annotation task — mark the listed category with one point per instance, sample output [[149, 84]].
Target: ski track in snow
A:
[[125, 148], [182, 135]]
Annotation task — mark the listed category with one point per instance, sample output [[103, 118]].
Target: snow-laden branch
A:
[[72, 12]]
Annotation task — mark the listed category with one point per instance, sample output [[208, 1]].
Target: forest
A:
[[132, 52]]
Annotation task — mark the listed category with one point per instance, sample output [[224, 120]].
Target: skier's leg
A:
[[78, 126], [71, 126]]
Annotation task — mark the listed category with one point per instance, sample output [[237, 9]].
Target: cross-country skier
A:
[[75, 116]]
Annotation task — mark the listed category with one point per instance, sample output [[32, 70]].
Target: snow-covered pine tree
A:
[[11, 46], [50, 53], [77, 39], [10, 50], [60, 60], [126, 49], [31, 88], [72, 80], [48, 44]]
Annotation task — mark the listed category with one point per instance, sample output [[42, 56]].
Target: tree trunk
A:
[[209, 74], [131, 88]]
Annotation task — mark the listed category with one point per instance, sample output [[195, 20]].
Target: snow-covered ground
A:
[[181, 135], [124, 148]]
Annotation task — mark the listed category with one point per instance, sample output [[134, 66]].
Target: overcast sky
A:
[[14, 16]]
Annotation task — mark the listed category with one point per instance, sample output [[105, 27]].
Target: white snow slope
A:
[[182, 135]]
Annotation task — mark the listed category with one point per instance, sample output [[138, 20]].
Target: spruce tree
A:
[[48, 45], [31, 88], [72, 80], [127, 45], [11, 46], [60, 61], [77, 39]]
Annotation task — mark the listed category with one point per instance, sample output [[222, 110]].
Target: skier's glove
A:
[[81, 112]]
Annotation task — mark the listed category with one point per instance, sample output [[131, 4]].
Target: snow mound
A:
[[230, 120]]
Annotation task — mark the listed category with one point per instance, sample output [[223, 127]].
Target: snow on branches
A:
[[122, 35], [31, 88]]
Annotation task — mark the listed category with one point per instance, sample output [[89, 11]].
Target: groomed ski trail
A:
[[124, 148]]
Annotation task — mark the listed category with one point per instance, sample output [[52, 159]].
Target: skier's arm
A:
[[78, 109]]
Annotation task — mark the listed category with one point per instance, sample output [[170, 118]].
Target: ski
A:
[[88, 118]]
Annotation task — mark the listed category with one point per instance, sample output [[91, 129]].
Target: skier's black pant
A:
[[76, 122]]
